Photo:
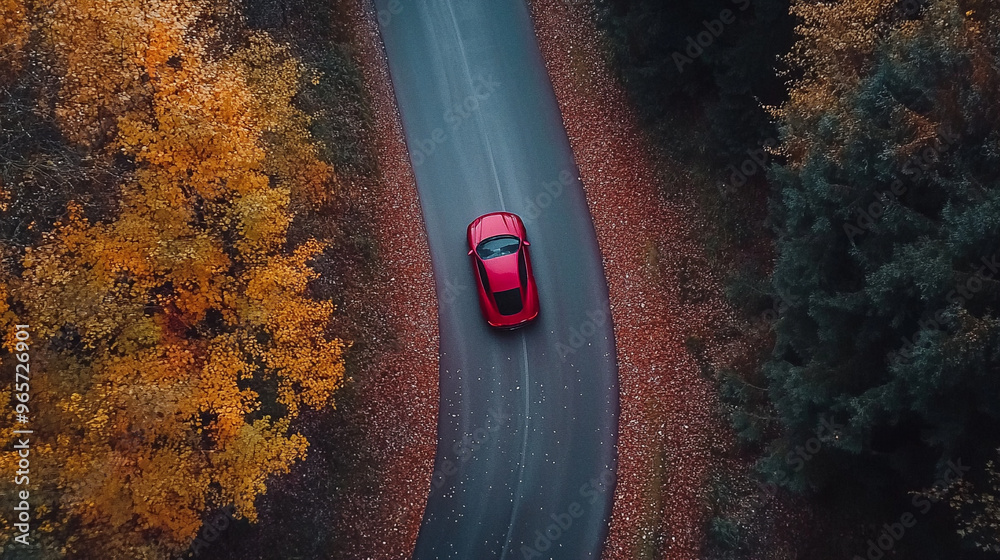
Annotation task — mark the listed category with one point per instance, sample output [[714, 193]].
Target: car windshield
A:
[[498, 246]]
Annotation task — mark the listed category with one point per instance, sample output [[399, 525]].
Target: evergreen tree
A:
[[887, 216]]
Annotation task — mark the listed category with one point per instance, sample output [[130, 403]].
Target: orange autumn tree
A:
[[179, 338], [834, 47], [13, 36]]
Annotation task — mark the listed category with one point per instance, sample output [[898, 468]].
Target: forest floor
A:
[[397, 385], [666, 304]]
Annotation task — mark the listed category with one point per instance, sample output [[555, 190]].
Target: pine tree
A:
[[887, 208]]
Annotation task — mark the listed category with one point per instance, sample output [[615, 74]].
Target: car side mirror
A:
[[526, 244], [470, 252]]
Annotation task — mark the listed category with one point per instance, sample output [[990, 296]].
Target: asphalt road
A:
[[528, 419]]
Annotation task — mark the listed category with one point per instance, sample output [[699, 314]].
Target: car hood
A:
[[493, 224], [502, 273]]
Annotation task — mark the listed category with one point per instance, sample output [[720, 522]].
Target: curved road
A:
[[528, 419]]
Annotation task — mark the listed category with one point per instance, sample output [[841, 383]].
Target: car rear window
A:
[[508, 301]]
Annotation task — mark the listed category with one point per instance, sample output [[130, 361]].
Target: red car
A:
[[498, 245]]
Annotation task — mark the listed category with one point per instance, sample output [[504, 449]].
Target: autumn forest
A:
[[153, 162], [184, 233]]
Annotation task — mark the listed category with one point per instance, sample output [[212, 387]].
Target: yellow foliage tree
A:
[[835, 42], [13, 35], [160, 326], [977, 510], [837, 47], [292, 155]]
